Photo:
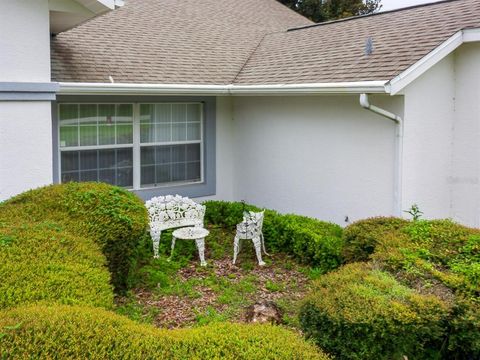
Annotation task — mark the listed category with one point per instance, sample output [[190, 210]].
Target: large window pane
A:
[[102, 128], [113, 166], [166, 164]]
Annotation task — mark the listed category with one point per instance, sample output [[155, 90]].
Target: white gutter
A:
[[365, 103], [194, 89]]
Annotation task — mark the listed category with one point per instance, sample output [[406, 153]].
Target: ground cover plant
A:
[[66, 251]]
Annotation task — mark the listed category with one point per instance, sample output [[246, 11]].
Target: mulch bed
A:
[[182, 311]]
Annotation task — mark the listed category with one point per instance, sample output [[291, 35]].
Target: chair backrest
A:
[[254, 218], [168, 212], [252, 224]]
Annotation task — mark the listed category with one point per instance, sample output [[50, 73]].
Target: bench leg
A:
[[257, 242], [172, 247], [156, 243], [201, 251], [236, 249]]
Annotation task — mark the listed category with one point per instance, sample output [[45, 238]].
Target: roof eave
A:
[[72, 88]]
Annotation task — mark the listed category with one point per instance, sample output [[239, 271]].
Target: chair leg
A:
[[236, 248], [257, 242], [156, 243], [201, 251], [263, 244], [173, 247]]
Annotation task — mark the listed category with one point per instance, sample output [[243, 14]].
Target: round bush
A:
[[362, 237], [359, 312], [55, 241], [73, 332]]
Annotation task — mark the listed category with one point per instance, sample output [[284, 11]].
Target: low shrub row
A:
[[310, 241], [73, 332]]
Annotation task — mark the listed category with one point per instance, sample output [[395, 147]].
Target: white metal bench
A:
[[170, 212]]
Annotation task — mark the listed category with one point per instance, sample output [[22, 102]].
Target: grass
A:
[[180, 293]]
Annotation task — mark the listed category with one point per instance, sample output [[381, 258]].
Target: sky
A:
[[395, 4]]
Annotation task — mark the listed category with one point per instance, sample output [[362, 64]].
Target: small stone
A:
[[264, 312]]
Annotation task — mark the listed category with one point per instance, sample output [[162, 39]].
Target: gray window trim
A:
[[26, 91], [207, 188]]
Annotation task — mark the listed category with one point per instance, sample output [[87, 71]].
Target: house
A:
[[247, 100]]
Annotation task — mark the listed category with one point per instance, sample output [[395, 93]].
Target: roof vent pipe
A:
[[397, 201]]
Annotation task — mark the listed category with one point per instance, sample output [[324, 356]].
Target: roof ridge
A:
[[370, 15]]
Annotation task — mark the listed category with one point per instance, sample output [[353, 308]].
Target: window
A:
[[136, 146]]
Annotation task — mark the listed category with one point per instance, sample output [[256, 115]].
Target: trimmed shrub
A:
[[442, 257], [311, 241], [362, 237], [359, 312], [52, 239], [74, 332]]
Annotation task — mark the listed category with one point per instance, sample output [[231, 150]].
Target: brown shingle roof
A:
[[335, 52], [245, 42], [169, 41]]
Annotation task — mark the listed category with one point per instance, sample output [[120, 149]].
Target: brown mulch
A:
[[182, 311]]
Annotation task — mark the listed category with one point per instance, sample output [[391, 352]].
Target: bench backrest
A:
[[168, 212]]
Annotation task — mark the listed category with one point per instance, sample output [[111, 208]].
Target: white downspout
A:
[[365, 103]]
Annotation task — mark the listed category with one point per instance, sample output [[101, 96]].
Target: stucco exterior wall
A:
[[26, 143], [427, 142], [320, 156], [465, 187], [441, 143], [25, 126], [24, 41]]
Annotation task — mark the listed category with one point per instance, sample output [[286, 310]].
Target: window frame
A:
[[136, 144]]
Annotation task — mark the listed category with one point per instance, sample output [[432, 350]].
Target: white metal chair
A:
[[251, 228], [169, 212]]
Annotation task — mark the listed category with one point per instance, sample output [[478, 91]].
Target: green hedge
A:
[[359, 312], [55, 241], [72, 332], [311, 241], [362, 237]]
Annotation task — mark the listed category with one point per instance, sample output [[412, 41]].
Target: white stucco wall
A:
[[464, 181], [428, 122], [24, 41], [26, 146], [25, 127], [320, 156]]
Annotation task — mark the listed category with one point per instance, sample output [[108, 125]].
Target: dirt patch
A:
[[224, 291]]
